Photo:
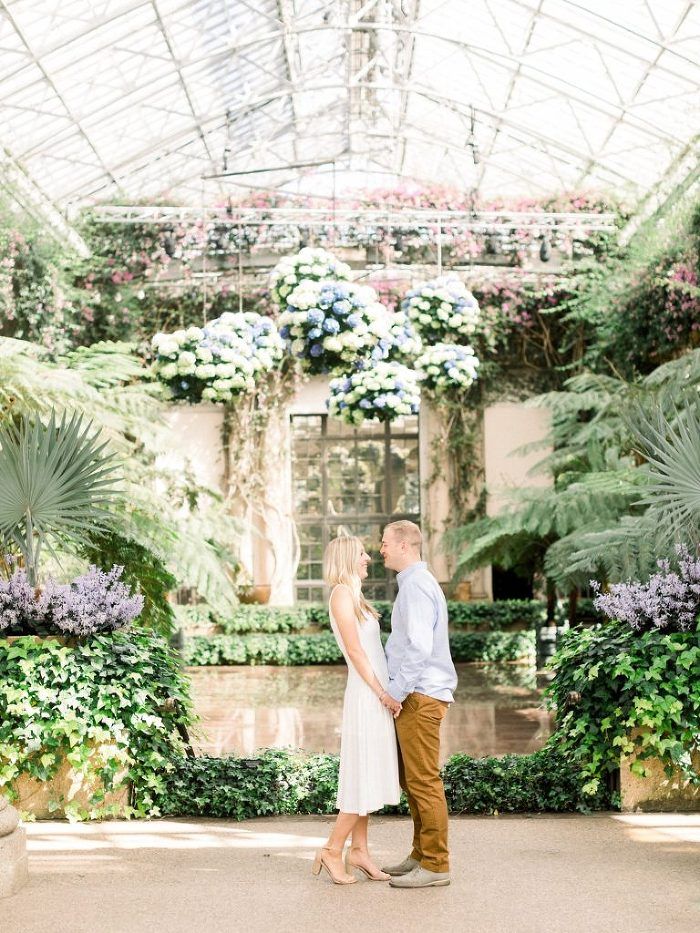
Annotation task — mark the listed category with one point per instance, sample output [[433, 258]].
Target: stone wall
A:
[[269, 549]]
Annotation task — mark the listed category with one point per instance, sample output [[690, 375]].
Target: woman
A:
[[369, 776]]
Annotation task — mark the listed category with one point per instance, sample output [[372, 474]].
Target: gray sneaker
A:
[[420, 877], [402, 868]]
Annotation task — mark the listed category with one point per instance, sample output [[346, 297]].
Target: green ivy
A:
[[280, 782], [610, 681], [321, 648], [123, 691]]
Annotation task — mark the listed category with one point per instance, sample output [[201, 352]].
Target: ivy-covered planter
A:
[[89, 729], [648, 784], [631, 700]]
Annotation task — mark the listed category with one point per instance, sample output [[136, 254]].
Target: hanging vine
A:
[[254, 449]]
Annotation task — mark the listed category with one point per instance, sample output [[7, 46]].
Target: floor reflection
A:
[[497, 710]]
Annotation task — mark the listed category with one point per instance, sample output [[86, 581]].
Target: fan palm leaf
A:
[[672, 451], [57, 481]]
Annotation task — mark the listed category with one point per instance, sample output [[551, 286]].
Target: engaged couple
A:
[[402, 696]]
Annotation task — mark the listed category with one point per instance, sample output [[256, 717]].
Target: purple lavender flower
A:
[[94, 602], [668, 601], [18, 605]]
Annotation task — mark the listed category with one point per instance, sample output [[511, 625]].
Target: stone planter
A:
[[13, 851], [656, 791], [42, 799], [45, 799]]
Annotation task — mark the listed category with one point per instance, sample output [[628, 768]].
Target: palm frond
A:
[[672, 451], [106, 364], [57, 481], [627, 549]]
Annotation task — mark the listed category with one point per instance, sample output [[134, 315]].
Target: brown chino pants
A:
[[418, 731]]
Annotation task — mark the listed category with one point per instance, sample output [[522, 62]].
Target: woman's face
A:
[[363, 563]]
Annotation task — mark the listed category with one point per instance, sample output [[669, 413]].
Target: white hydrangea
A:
[[443, 310], [384, 392], [308, 264], [329, 324], [219, 361], [446, 366]]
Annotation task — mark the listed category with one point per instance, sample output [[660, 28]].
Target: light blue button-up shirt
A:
[[418, 649]]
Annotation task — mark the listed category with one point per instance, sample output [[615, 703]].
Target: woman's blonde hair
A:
[[340, 566]]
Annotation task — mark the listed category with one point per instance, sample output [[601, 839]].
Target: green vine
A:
[[111, 706]]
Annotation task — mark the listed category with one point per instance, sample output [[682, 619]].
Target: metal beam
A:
[[21, 187]]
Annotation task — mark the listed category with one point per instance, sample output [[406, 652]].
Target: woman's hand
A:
[[391, 704]]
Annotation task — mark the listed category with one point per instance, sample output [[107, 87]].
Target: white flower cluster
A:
[[447, 366], [382, 392], [329, 325], [308, 264], [442, 310], [220, 360], [404, 343]]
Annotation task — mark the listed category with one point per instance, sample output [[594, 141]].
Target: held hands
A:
[[391, 704]]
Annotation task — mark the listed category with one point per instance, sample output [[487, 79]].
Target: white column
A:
[[13, 851]]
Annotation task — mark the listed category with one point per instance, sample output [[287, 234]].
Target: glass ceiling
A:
[[106, 100]]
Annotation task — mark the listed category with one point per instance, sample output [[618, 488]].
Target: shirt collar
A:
[[407, 571]]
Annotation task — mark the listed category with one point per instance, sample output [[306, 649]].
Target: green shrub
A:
[[268, 619], [492, 646], [234, 788], [543, 781], [481, 614], [57, 701], [611, 680], [286, 782], [321, 648]]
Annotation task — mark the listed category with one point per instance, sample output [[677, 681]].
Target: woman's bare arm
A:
[[344, 615]]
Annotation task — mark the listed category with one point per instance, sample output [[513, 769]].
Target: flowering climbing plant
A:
[[219, 361], [383, 391], [443, 310], [447, 366], [330, 325], [308, 265]]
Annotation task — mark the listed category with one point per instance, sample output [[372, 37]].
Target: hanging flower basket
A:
[[308, 264], [402, 343], [220, 361], [381, 392], [442, 310], [447, 366], [330, 325]]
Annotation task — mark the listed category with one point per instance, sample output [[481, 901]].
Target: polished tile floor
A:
[[498, 710]]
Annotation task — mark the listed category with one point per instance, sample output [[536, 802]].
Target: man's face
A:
[[392, 551]]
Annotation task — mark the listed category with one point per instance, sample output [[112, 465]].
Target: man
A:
[[421, 680]]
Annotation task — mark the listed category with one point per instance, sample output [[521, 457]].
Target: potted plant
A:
[[81, 695]]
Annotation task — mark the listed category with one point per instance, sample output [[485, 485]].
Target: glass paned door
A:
[[355, 479]]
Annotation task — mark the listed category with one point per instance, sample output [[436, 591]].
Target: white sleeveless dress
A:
[[369, 771]]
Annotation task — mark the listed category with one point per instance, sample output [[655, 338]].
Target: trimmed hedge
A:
[[249, 619], [477, 616], [280, 782], [482, 615], [321, 648]]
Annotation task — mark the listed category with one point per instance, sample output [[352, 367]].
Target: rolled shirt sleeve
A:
[[418, 617]]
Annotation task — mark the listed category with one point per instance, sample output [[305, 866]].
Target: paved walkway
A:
[[511, 874]]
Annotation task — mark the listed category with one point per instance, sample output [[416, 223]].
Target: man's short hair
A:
[[407, 532]]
